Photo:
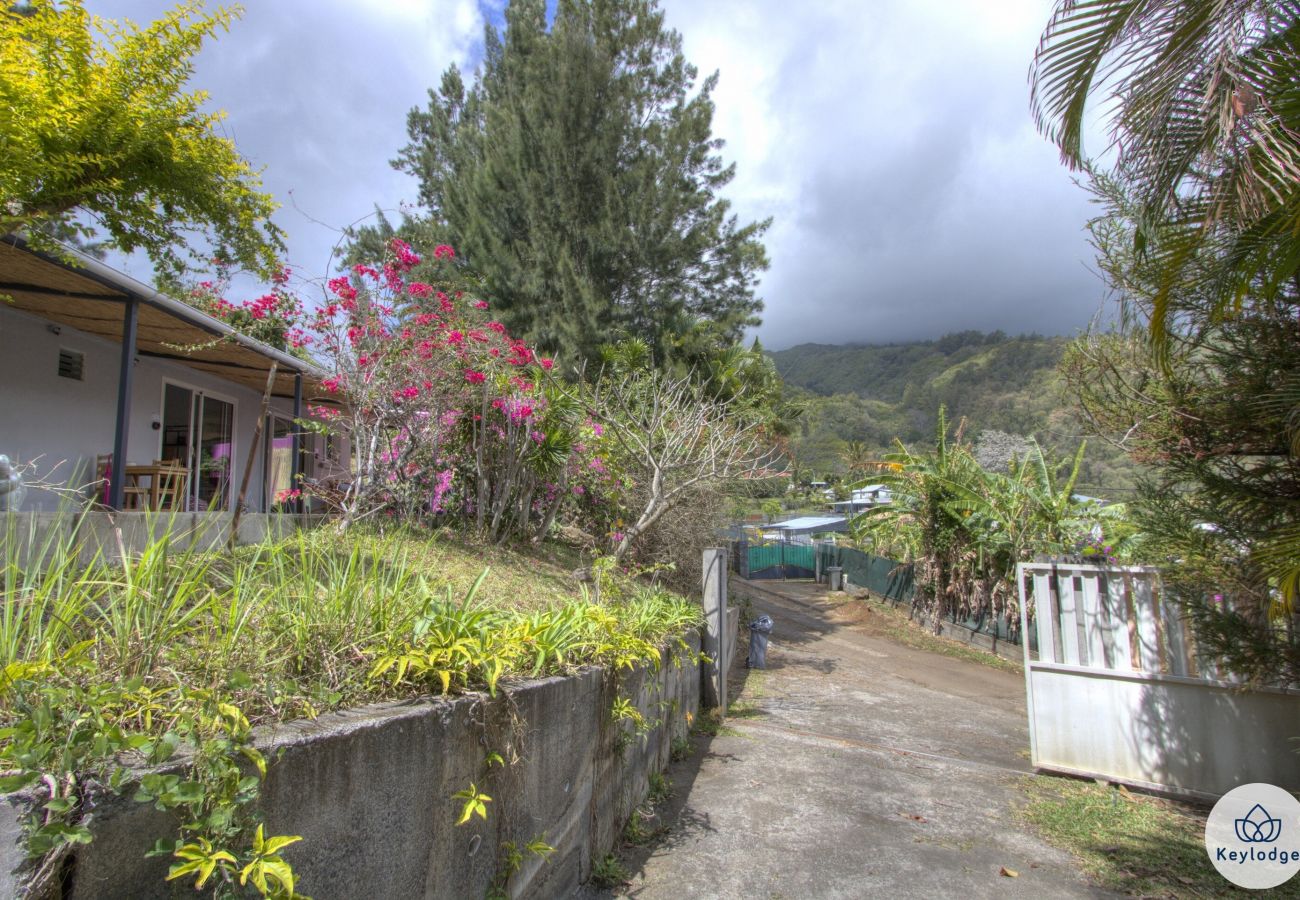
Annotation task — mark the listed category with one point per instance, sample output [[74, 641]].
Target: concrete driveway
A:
[[852, 767]]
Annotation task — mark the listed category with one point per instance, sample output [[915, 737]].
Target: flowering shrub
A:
[[271, 318], [449, 416]]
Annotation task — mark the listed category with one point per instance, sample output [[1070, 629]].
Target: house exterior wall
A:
[[64, 424]]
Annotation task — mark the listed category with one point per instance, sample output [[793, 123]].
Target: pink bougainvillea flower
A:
[[343, 288], [406, 257], [475, 377], [480, 304], [547, 362], [442, 251]]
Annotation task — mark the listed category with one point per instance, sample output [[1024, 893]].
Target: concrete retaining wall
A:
[[982, 640], [370, 791]]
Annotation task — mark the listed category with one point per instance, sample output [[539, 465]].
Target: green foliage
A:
[[679, 749], [624, 710], [96, 120], [608, 872], [1200, 237], [966, 528], [638, 830], [1131, 843], [1202, 106], [579, 177], [74, 733], [473, 803], [660, 788], [111, 666], [509, 861], [857, 400], [1213, 420]]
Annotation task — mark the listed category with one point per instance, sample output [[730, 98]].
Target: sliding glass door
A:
[[278, 464], [199, 429]]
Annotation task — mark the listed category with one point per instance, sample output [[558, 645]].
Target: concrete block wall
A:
[[370, 791]]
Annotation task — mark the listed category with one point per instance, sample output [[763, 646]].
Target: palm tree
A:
[[1206, 129], [856, 458], [1205, 126]]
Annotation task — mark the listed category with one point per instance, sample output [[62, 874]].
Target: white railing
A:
[[1116, 689]]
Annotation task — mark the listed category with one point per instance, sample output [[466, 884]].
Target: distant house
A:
[[864, 498], [96, 367]]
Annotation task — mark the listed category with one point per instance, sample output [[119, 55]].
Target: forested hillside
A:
[[875, 393]]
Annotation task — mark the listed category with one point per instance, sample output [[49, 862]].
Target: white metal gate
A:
[[1116, 690]]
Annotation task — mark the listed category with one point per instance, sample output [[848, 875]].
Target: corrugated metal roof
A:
[[807, 523]]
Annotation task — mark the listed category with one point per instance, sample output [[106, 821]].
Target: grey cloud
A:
[[914, 198], [891, 141]]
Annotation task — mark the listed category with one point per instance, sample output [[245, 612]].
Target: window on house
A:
[[71, 364]]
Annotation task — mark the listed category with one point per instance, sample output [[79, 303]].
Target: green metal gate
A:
[[781, 560]]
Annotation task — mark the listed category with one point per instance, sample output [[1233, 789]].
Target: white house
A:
[[864, 498], [95, 364]]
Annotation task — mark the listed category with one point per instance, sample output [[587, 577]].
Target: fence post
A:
[[716, 639]]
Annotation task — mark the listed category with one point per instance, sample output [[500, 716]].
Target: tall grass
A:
[[292, 627]]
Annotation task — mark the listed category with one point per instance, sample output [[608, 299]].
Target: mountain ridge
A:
[[874, 393]]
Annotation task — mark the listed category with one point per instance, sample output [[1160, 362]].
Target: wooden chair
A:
[[136, 496]]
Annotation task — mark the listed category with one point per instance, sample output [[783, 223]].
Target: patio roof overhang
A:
[[92, 297], [83, 293]]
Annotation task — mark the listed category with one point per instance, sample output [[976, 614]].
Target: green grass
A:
[[321, 620], [1128, 842], [894, 623], [609, 872], [711, 723], [661, 789]]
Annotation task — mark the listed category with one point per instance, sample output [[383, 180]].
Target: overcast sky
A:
[[890, 140]]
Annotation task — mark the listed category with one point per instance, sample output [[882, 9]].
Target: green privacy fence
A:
[[893, 581], [881, 576], [780, 560]]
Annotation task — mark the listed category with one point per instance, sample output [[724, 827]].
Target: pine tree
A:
[[579, 177]]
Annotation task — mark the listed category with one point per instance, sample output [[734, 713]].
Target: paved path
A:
[[852, 767]]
